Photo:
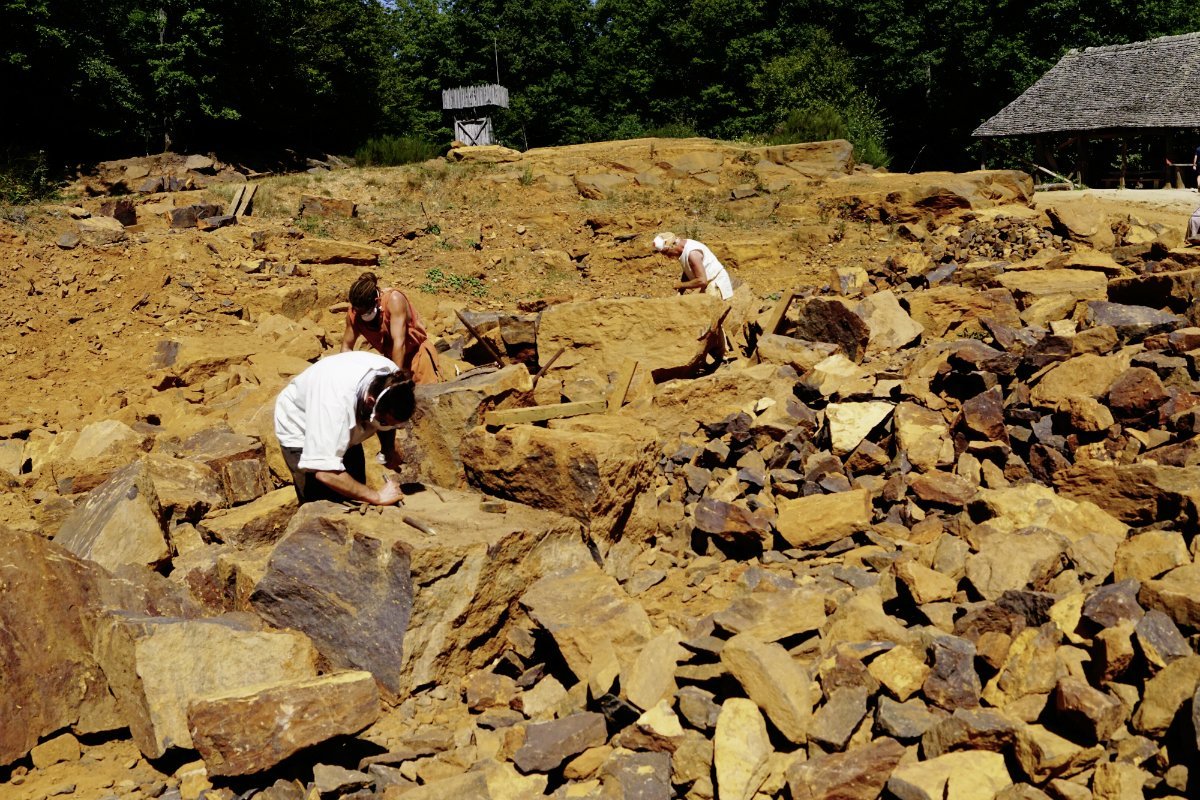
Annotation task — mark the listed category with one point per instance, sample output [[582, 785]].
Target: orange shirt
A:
[[381, 337]]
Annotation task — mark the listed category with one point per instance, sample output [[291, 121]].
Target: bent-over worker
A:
[[325, 413], [1193, 229], [388, 321], [702, 270]]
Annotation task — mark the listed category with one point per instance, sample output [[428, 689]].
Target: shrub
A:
[[811, 125], [672, 130], [25, 178], [391, 151]]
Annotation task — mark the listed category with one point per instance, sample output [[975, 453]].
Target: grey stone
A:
[[549, 744], [833, 723], [907, 720], [953, 682]]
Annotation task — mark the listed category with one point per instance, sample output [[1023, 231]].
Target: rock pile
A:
[[932, 535]]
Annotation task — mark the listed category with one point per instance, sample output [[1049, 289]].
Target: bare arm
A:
[[695, 268], [342, 483], [397, 328], [349, 337]]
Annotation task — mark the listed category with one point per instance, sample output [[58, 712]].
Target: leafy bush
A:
[[818, 124], [391, 151], [672, 130], [25, 179]]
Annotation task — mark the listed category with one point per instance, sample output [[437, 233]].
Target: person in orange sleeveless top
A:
[[388, 321]]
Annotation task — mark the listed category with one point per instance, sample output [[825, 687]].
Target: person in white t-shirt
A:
[[702, 271], [326, 412]]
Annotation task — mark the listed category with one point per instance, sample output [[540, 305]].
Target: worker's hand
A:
[[389, 494]]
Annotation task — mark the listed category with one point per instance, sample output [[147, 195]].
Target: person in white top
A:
[[325, 413], [701, 269]]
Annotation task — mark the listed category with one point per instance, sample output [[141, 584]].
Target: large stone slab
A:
[[740, 750], [49, 606], [549, 744], [1094, 534], [1024, 559], [1176, 594], [592, 619], [890, 325], [1086, 375], [262, 521], [681, 406], [250, 731], [858, 774], [332, 251], [923, 435], [591, 471], [1138, 494], [376, 593], [82, 460], [774, 681], [156, 666], [119, 522], [943, 310], [823, 518], [1077, 284], [191, 360], [599, 337], [445, 412], [239, 460], [849, 423], [967, 775]]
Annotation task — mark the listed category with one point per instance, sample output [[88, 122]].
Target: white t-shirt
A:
[[316, 411], [714, 270]]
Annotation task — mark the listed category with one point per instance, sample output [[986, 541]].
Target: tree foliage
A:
[[908, 80]]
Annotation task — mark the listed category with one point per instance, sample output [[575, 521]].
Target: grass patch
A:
[[391, 151], [438, 281]]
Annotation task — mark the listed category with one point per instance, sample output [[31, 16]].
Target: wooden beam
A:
[[243, 209], [621, 387], [487, 343], [235, 201], [515, 416], [780, 309]]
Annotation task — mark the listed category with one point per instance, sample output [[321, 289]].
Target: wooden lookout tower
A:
[[472, 107]]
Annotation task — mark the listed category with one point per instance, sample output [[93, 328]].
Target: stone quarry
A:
[[925, 530]]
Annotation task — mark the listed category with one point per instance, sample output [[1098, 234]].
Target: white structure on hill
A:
[[472, 111]]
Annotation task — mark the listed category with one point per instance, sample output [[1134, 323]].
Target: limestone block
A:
[[740, 750], [820, 519], [119, 522], [599, 337], [445, 412], [590, 617], [250, 731], [591, 472], [156, 666], [349, 582]]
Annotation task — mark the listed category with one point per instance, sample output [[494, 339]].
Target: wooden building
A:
[[1094, 103], [472, 111]]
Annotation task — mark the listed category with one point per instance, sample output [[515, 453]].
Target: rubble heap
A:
[[925, 533]]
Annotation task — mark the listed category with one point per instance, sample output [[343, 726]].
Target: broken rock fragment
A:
[[247, 732]]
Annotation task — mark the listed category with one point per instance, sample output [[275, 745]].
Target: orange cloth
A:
[[420, 357]]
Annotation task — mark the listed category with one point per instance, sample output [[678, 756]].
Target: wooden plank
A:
[[235, 201], [780, 309], [243, 209], [621, 387], [515, 416]]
